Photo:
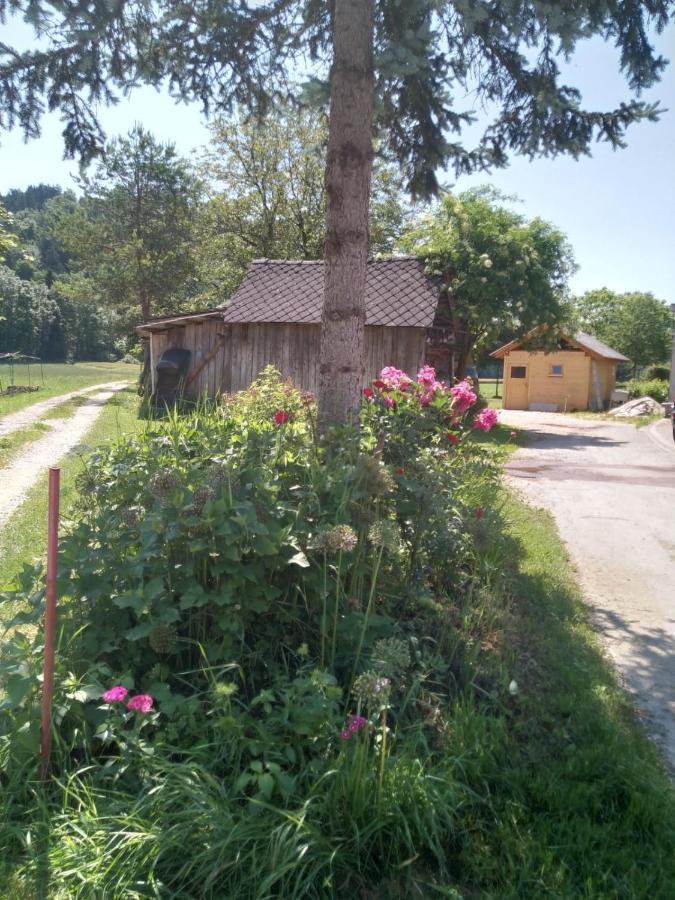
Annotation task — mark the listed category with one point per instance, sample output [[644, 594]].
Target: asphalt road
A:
[[611, 490]]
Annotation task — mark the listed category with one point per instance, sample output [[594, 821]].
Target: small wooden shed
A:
[[579, 374], [274, 319]]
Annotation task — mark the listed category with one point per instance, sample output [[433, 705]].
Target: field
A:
[[60, 378]]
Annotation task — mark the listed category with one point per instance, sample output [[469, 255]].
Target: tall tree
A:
[[267, 198], [639, 325], [416, 57], [497, 270], [133, 229], [7, 239]]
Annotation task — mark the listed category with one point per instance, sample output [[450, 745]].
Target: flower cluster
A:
[[391, 656], [393, 378], [280, 417], [354, 725], [384, 533], [463, 396], [141, 703], [341, 538], [372, 689], [486, 419]]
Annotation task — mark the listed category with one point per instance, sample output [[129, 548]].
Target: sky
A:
[[616, 207]]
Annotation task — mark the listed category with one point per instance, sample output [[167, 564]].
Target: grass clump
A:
[[356, 673]]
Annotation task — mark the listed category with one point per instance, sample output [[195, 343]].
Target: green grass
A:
[[581, 805], [488, 389], [60, 378], [23, 537], [12, 443]]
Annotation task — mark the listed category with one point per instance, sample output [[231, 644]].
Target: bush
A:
[[286, 613], [657, 390], [657, 373]]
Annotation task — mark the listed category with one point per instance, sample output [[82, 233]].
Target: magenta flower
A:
[[141, 703], [393, 377], [390, 403], [427, 376], [356, 723], [345, 734], [463, 395], [486, 419], [117, 694]]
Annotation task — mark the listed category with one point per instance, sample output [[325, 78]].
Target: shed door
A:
[[518, 386]]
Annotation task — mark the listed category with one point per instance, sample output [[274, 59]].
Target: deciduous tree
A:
[[405, 67], [497, 271], [639, 325]]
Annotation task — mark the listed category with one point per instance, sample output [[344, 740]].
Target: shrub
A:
[[657, 373], [657, 390], [286, 613]]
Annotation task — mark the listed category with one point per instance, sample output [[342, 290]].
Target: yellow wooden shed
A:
[[579, 373]]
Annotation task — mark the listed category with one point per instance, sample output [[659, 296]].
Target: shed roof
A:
[[398, 293], [585, 341]]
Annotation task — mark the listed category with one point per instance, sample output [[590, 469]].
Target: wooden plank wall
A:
[[246, 349]]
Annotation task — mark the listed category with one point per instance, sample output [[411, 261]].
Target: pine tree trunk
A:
[[348, 171]]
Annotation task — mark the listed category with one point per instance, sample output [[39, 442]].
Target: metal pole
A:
[[672, 359], [50, 621]]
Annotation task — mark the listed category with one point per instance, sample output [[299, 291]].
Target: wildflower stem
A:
[[323, 614], [335, 612], [383, 750], [366, 617]]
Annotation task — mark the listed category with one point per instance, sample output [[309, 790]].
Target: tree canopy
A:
[[427, 54], [639, 325], [497, 270], [264, 181]]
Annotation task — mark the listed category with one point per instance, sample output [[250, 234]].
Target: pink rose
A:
[[117, 694], [141, 703]]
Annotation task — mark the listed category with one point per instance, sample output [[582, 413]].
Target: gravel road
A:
[[611, 490], [34, 458], [33, 413]]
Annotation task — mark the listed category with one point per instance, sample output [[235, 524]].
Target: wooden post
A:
[[50, 621]]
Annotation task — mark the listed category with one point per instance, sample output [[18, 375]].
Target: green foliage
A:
[[132, 232], [429, 56], [267, 197], [497, 270], [655, 388], [638, 325], [257, 774], [657, 373], [7, 240]]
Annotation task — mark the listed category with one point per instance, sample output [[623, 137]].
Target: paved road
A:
[[611, 489]]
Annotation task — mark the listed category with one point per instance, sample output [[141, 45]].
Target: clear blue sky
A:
[[617, 208]]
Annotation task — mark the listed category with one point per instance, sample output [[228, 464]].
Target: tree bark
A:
[[348, 171]]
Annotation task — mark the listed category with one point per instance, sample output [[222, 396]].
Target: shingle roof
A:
[[587, 341], [397, 293], [596, 346]]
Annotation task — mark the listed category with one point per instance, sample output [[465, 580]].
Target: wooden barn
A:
[[274, 319], [579, 374]]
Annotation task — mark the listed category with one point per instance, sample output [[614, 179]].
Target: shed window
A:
[[518, 371], [556, 370]]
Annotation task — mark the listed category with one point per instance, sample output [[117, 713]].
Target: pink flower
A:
[[368, 393], [356, 723], [393, 377], [486, 419], [141, 703], [390, 403], [427, 377], [280, 417], [463, 395], [345, 734], [115, 694]]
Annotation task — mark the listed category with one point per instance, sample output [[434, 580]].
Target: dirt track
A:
[[20, 475], [611, 489]]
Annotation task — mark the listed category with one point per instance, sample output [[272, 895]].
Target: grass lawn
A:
[[488, 389], [60, 378], [23, 538]]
